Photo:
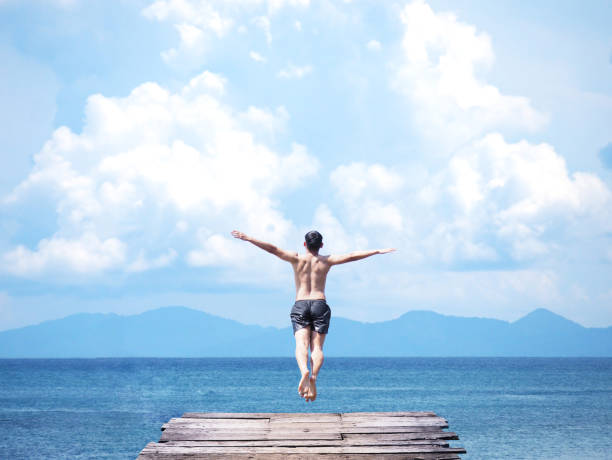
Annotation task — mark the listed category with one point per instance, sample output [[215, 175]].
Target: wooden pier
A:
[[275, 436]]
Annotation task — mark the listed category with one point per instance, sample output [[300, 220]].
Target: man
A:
[[310, 314]]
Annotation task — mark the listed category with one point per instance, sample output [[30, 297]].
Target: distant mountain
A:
[[184, 332]]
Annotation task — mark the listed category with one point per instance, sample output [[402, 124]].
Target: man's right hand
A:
[[385, 251]]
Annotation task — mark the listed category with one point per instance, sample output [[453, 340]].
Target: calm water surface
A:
[[515, 408]]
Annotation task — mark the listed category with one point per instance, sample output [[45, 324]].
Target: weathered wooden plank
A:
[[195, 434], [200, 435], [250, 415], [389, 429], [305, 427], [389, 418], [184, 433], [263, 423], [347, 439], [244, 415], [438, 434], [164, 451], [236, 424], [388, 414], [310, 427], [164, 456], [218, 421], [310, 418], [399, 422], [408, 449], [307, 442]]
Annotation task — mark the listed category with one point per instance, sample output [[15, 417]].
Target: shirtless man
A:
[[310, 314]]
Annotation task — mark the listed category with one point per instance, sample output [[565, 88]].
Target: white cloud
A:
[[217, 250], [438, 73], [157, 169], [197, 23], [200, 22], [374, 45], [188, 14], [84, 255], [263, 119], [335, 237], [190, 34], [257, 57], [363, 189], [263, 22], [494, 202], [298, 26], [355, 180], [143, 263], [293, 71], [276, 5], [206, 82]]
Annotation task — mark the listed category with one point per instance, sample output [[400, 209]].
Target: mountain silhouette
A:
[[184, 332]]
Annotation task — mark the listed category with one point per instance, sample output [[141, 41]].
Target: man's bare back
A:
[[310, 314], [310, 273]]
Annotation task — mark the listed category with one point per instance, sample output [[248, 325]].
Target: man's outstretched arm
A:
[[356, 255], [278, 252]]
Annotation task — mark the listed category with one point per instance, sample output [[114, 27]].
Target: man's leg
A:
[[316, 356], [302, 342]]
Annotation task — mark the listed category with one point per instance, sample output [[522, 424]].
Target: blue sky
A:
[[473, 136]]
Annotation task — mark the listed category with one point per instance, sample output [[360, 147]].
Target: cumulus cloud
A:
[[520, 197], [200, 22], [196, 23], [438, 73], [158, 169], [363, 189], [83, 255], [494, 201], [293, 71]]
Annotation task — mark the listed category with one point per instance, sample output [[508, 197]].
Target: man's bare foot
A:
[[312, 389], [304, 385]]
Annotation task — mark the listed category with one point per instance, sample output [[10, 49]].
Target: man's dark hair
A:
[[314, 240]]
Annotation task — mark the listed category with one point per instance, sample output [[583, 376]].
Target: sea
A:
[[501, 408]]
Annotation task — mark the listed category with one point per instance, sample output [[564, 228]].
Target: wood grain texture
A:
[[241, 456], [359, 435], [306, 442]]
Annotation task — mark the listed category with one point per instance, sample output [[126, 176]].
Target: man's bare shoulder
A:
[[323, 259], [318, 258]]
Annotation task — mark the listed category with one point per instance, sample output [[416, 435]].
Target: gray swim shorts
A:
[[314, 313]]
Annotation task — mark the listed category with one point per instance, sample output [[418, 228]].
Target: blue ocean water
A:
[[514, 408]]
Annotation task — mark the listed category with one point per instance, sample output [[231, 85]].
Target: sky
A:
[[473, 136]]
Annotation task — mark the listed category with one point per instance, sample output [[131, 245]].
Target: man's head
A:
[[313, 241]]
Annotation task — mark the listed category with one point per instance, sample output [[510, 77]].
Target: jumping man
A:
[[310, 314]]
